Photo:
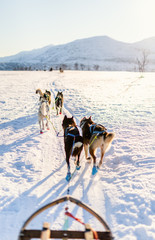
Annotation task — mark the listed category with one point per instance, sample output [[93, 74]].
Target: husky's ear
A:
[[48, 92], [65, 117], [72, 117], [90, 118]]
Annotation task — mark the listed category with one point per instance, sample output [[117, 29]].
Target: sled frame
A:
[[27, 234]]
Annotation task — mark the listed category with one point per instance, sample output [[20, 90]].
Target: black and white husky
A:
[[59, 99], [44, 113], [73, 143], [95, 136]]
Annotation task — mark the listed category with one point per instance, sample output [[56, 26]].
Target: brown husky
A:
[[95, 136], [73, 143]]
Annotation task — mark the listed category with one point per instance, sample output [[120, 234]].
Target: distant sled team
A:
[[93, 135], [44, 108]]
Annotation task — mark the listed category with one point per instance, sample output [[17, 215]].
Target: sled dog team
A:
[[93, 135], [44, 108]]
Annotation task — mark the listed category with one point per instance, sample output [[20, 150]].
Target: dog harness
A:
[[96, 132], [93, 131], [58, 98], [67, 133]]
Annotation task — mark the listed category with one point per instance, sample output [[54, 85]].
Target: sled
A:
[[46, 233]]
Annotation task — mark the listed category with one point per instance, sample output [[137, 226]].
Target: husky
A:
[[48, 95], [59, 102], [95, 136], [44, 113], [73, 143]]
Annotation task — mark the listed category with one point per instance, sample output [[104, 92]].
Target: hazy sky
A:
[[30, 24]]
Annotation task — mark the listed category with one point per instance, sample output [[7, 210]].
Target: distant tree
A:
[[64, 66], [143, 61], [89, 68], [82, 66], [76, 66], [96, 67], [21, 68]]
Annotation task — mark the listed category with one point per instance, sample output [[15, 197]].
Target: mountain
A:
[[95, 53]]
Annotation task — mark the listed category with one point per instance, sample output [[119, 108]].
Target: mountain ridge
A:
[[94, 53]]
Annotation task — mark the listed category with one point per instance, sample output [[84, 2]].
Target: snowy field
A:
[[33, 168]]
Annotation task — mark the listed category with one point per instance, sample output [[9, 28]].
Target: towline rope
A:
[[57, 133], [79, 220]]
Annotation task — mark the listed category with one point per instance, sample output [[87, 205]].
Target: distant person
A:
[[61, 70]]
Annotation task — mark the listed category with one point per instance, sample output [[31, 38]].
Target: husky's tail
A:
[[108, 138], [40, 92], [77, 148]]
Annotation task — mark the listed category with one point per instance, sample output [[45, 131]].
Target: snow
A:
[[33, 168]]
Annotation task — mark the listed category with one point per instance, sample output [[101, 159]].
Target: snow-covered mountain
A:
[[95, 53]]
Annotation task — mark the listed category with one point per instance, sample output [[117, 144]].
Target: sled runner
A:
[[46, 233]]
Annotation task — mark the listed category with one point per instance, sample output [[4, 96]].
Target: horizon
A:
[[54, 45], [27, 25]]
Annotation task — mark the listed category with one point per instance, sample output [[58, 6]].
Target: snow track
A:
[[33, 167]]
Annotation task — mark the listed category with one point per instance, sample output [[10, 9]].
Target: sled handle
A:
[[63, 199]]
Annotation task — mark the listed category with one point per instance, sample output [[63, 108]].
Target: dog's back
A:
[[44, 109], [59, 99], [72, 140], [44, 113], [95, 136], [59, 102]]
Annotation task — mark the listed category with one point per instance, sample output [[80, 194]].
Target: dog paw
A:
[[68, 177], [78, 167], [94, 170], [99, 165]]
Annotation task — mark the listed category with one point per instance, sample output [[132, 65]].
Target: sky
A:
[[32, 24]]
